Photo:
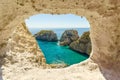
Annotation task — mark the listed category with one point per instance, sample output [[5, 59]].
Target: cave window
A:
[[41, 26]]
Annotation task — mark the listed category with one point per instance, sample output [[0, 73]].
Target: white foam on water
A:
[[58, 43]]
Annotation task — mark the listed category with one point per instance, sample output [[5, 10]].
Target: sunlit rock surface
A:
[[46, 35], [68, 37], [104, 19], [83, 44]]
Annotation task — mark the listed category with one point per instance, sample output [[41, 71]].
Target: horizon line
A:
[[60, 27]]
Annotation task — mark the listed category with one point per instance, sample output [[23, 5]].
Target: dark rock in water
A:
[[46, 35], [83, 44], [69, 36]]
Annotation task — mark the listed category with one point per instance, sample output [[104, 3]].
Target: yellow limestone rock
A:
[[104, 19]]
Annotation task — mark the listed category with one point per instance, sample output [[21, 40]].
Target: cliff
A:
[[68, 37], [104, 19], [83, 44], [22, 42]]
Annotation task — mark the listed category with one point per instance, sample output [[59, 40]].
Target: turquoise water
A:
[[54, 53]]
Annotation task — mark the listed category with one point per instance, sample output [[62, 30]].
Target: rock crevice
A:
[[83, 44]]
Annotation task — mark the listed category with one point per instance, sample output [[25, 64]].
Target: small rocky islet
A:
[[46, 35], [69, 38], [83, 44]]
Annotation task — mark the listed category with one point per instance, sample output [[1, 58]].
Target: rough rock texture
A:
[[23, 51], [68, 37], [74, 72], [83, 44], [46, 35], [104, 18], [22, 41]]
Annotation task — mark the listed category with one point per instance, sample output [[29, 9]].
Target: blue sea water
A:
[[54, 53]]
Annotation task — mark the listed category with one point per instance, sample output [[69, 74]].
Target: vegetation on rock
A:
[[68, 37], [46, 35], [83, 44]]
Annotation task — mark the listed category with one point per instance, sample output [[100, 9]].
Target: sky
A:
[[57, 21]]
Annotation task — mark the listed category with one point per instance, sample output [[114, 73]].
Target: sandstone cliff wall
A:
[[103, 16]]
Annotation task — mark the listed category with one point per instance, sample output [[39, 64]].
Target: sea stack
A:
[[46, 35], [83, 44], [68, 37]]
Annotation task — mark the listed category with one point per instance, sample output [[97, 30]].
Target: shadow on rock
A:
[[1, 63], [111, 71], [1, 74]]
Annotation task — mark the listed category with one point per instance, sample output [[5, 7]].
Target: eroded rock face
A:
[[83, 44], [103, 16], [22, 41], [68, 37], [46, 35]]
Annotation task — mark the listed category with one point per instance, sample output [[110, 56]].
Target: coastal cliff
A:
[[68, 37], [104, 19], [83, 44]]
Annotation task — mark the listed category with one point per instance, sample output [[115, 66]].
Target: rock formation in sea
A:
[[83, 44], [68, 37], [104, 19], [46, 35]]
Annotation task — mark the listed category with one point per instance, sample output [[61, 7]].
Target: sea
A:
[[57, 54]]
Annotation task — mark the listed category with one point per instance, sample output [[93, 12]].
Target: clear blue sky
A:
[[57, 21]]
